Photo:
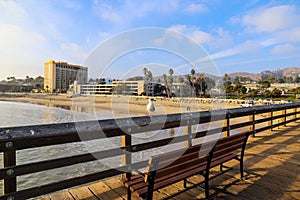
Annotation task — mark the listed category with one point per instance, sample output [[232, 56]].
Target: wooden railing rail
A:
[[13, 139]]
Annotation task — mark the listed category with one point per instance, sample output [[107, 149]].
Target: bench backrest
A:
[[198, 155], [174, 161], [230, 144]]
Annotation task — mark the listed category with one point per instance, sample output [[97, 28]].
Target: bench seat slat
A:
[[171, 167], [197, 167], [171, 180], [180, 166]]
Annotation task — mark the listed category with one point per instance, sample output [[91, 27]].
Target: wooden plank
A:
[[82, 193], [103, 192], [116, 185], [175, 189], [61, 196], [45, 198]]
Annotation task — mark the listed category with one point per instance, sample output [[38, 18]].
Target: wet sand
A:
[[122, 104]]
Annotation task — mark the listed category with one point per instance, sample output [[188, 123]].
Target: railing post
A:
[[9, 160], [284, 118], [296, 110], [252, 126], [270, 123], [188, 131], [227, 124], [126, 158]]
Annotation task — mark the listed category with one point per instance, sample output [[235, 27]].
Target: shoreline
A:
[[122, 104]]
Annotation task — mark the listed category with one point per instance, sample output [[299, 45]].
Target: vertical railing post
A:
[[252, 126], [284, 118], [296, 110], [270, 123], [227, 125], [188, 131], [126, 157], [9, 160]]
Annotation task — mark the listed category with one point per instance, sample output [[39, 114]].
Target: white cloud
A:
[[73, 52], [271, 19], [127, 11], [194, 8], [283, 49], [194, 33], [107, 12], [13, 10], [222, 40], [20, 50], [248, 47], [292, 35]]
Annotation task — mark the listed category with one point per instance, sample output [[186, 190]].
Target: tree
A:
[[227, 84], [275, 93], [193, 80], [236, 80], [226, 78], [181, 81], [166, 84], [147, 78], [264, 84], [170, 77], [200, 82]]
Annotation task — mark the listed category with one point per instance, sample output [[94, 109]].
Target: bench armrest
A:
[[137, 171]]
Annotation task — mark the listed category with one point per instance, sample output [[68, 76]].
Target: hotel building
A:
[[58, 76], [116, 87]]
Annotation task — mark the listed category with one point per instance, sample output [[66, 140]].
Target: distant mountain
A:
[[280, 73], [254, 77], [175, 78]]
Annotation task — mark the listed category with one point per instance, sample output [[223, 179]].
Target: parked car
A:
[[247, 104]]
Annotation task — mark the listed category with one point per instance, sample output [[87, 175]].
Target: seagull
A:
[[150, 106]]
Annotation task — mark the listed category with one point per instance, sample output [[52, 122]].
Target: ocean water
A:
[[22, 114]]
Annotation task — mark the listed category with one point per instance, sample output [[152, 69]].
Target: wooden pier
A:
[[272, 166], [271, 159]]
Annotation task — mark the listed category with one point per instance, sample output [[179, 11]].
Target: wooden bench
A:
[[168, 168]]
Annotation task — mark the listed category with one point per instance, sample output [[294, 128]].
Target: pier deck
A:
[[272, 167]]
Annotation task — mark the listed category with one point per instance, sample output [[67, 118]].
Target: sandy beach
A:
[[122, 104]]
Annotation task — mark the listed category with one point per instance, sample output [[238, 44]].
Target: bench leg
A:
[[128, 194], [242, 169], [149, 196], [184, 183], [206, 187]]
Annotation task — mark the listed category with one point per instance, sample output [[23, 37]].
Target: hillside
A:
[[280, 73]]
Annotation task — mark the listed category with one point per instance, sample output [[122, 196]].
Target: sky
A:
[[237, 35]]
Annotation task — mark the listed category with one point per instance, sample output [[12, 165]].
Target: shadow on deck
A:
[[272, 168]]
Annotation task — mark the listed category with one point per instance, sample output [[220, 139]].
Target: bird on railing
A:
[[150, 106]]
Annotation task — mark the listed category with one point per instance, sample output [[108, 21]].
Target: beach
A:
[[122, 104]]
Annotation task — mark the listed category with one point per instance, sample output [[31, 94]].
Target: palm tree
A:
[[193, 72], [181, 81], [200, 81], [145, 70], [166, 84]]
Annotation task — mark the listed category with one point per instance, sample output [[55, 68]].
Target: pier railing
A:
[[14, 139]]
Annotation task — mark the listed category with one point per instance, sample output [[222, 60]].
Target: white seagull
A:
[[150, 106]]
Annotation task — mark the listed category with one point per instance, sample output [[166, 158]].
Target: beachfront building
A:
[[129, 87], [58, 76], [116, 87], [94, 89]]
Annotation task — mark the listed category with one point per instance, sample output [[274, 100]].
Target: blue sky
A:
[[237, 35]]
